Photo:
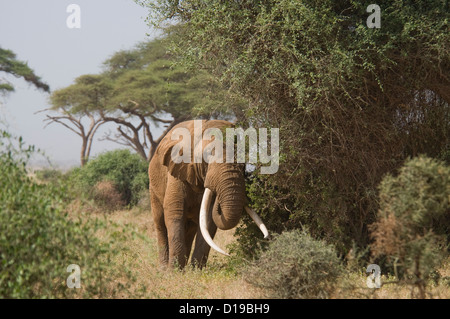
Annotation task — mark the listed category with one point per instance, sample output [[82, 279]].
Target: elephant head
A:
[[223, 183]]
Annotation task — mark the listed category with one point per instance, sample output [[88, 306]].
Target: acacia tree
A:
[[351, 102], [76, 108], [152, 90], [9, 64], [145, 88], [139, 90], [76, 123]]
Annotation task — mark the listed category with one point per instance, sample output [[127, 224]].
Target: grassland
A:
[[131, 232]]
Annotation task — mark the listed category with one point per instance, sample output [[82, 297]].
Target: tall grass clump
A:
[[296, 266]]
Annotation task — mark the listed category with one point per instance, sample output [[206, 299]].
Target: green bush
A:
[[38, 241], [413, 226], [296, 266], [127, 171]]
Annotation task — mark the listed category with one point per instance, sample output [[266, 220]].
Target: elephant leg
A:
[[161, 230], [175, 221], [176, 232], [201, 249]]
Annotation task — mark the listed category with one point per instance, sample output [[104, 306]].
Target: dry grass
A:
[[132, 232], [354, 286], [106, 194]]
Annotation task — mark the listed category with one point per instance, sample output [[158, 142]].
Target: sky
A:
[[37, 31]]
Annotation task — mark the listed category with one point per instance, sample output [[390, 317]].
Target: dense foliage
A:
[[413, 226], [37, 239], [352, 103]]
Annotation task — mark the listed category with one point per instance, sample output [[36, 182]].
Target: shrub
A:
[[126, 171], [296, 266], [413, 226], [38, 241], [106, 195]]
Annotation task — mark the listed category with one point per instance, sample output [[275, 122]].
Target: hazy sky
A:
[[37, 32]]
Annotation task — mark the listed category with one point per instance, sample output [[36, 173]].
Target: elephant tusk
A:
[[258, 221], [203, 221]]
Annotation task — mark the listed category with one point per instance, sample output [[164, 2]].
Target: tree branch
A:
[[58, 119]]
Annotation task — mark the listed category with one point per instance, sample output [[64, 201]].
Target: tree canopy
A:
[[9, 64], [139, 89]]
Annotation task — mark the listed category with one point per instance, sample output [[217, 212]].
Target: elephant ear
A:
[[183, 166]]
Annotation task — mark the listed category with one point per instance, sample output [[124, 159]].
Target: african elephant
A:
[[186, 194]]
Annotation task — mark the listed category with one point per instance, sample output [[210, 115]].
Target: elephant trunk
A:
[[229, 187], [226, 213], [206, 202], [230, 200]]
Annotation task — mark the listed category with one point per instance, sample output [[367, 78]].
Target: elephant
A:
[[193, 198]]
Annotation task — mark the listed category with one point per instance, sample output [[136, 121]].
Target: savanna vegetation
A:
[[364, 175], [52, 219], [353, 103]]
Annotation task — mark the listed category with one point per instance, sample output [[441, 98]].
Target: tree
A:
[[9, 64], [138, 90], [351, 102], [144, 90], [75, 123], [79, 102], [151, 89]]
